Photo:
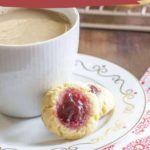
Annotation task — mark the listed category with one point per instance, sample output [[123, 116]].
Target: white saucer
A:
[[30, 134]]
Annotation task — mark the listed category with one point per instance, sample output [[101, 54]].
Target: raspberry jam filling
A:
[[94, 89], [73, 108]]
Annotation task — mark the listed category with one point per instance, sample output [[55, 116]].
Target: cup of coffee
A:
[[38, 48]]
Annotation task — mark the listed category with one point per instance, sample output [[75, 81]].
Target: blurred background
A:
[[120, 34]]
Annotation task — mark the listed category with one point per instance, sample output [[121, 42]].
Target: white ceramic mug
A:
[[28, 71]]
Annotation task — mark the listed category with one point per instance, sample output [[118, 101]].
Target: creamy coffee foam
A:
[[24, 26]]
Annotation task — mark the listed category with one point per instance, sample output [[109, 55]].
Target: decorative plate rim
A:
[[121, 137]]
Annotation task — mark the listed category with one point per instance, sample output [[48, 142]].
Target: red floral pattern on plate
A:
[[139, 144], [110, 147], [145, 81], [148, 94], [144, 123], [145, 77]]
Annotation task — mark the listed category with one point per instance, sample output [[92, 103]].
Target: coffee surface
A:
[[24, 26]]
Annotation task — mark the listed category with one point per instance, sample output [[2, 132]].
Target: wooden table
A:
[[130, 50]]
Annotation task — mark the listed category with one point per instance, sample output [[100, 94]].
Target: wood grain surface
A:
[[130, 50]]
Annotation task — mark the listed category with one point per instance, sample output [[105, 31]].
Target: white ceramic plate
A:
[[30, 134]]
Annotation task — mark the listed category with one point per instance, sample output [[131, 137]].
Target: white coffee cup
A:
[[28, 71]]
